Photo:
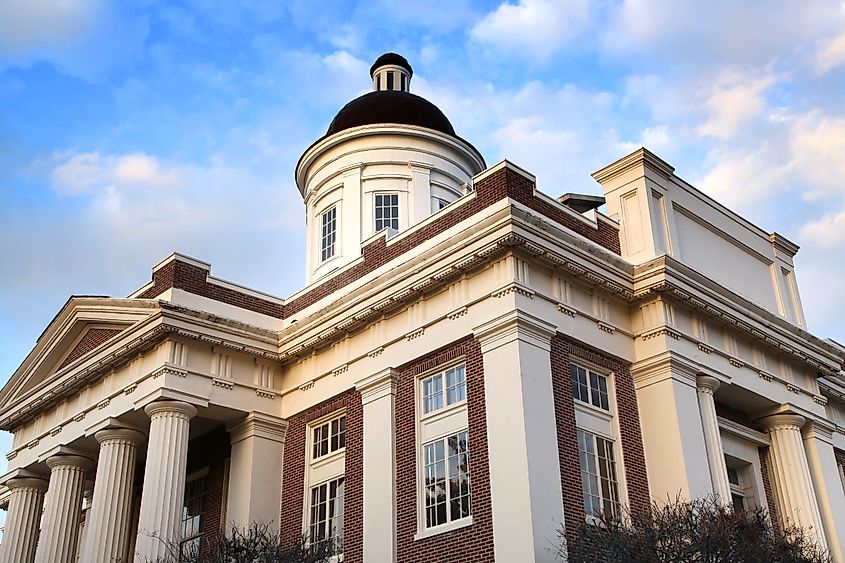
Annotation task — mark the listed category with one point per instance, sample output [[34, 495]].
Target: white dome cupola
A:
[[389, 160]]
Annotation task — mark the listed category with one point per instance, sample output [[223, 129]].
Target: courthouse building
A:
[[476, 364]]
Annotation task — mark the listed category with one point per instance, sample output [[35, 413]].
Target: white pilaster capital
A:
[[378, 385], [130, 436], [23, 483], [258, 425], [76, 461], [515, 325], [178, 408], [819, 429], [707, 383], [792, 422]]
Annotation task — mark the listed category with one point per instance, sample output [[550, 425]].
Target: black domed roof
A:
[[390, 106], [391, 59]]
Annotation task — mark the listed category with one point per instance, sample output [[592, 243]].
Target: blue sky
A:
[[131, 129]]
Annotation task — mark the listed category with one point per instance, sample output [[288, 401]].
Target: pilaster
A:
[[255, 471], [522, 439], [378, 397], [830, 496]]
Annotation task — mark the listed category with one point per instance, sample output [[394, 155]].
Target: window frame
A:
[[338, 556], [600, 377], [439, 425], [450, 522], [446, 406], [616, 504], [200, 474], [323, 469], [323, 257], [395, 219]]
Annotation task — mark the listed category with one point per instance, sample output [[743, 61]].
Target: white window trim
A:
[[456, 411], [398, 209], [611, 418], [742, 452], [337, 240], [426, 416], [324, 464]]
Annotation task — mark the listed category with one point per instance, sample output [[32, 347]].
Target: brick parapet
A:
[[564, 351], [501, 184], [469, 544], [293, 473]]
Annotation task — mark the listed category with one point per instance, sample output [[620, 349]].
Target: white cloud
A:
[[830, 54], [736, 97], [828, 231], [533, 27], [32, 24], [83, 172]]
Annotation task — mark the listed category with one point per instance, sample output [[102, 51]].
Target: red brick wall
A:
[[470, 544], [211, 450], [92, 339], [293, 473], [564, 352], [502, 184]]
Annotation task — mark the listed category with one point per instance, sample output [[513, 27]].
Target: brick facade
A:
[[470, 544], [489, 190], [564, 351], [92, 339], [293, 473]]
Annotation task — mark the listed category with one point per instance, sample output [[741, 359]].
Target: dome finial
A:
[[391, 71]]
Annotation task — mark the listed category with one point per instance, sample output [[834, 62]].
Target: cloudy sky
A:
[[132, 129]]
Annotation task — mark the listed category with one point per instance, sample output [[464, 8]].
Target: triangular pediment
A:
[[80, 331]]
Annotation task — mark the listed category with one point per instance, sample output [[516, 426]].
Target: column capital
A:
[[120, 434], [378, 385], [187, 410], [707, 383], [782, 422], [82, 463], [27, 483], [515, 325], [258, 424]]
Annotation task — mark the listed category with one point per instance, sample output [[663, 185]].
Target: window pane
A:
[[432, 393], [390, 80], [329, 224], [456, 389]]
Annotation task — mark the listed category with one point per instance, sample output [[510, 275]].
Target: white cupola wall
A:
[[389, 160]]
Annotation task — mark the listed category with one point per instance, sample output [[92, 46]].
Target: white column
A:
[[62, 510], [378, 396], [107, 523], [522, 437], [790, 474], [818, 443], [163, 494], [24, 514], [255, 471], [707, 386]]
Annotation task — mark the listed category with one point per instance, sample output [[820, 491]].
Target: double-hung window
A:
[[328, 238], [599, 483], [445, 497], [386, 211], [596, 430], [325, 479], [193, 513]]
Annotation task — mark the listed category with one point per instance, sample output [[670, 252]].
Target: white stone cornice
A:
[[515, 325], [258, 424], [378, 385]]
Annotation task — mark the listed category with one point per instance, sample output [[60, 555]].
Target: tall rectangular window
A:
[[599, 484], [447, 485], [389, 80], [589, 387], [386, 211], [329, 233], [329, 437], [326, 513], [193, 512]]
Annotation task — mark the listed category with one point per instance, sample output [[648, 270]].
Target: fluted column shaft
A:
[[707, 386], [792, 483], [107, 523], [164, 479], [24, 514], [60, 527]]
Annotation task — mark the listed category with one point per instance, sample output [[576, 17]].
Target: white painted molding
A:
[[378, 385], [513, 325], [260, 425]]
